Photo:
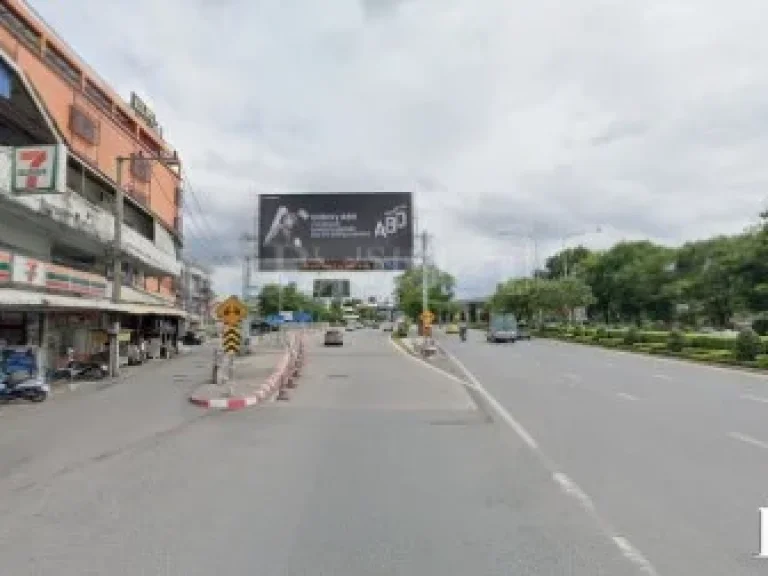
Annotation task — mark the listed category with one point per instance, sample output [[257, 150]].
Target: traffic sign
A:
[[231, 340], [232, 311]]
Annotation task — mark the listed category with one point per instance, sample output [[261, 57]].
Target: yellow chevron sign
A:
[[231, 340]]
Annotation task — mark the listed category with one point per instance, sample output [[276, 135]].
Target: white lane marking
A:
[[567, 485], [572, 489], [635, 556], [496, 406], [626, 396], [754, 398], [663, 377], [749, 440], [573, 377], [425, 364]]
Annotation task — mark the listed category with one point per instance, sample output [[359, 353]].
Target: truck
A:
[[502, 327]]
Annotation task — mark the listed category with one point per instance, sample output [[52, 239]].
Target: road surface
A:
[[376, 465], [673, 455]]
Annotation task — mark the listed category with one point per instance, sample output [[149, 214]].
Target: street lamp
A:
[[565, 239], [531, 238]]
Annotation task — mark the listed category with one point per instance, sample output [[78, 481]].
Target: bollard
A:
[[215, 377]]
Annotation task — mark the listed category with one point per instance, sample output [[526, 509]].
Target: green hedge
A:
[[701, 347]]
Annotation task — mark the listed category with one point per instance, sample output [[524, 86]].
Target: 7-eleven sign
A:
[[39, 169]]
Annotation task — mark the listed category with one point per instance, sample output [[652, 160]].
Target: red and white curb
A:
[[282, 377]]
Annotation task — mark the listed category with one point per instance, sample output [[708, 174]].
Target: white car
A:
[[387, 326]]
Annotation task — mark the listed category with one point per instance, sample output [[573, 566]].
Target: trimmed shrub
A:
[[632, 336], [760, 325], [601, 334], [748, 345], [676, 341], [762, 361], [711, 342]]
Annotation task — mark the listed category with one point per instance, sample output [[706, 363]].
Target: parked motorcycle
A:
[[21, 386], [76, 370]]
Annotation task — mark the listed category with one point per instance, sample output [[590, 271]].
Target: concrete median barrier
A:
[[263, 376]]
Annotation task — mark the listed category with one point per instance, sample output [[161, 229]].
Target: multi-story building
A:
[[196, 295], [64, 134]]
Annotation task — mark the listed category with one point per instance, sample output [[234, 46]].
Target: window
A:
[[83, 125], [20, 28], [62, 65], [141, 168], [97, 96]]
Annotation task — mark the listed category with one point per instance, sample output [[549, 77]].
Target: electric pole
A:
[[117, 246], [424, 284], [117, 269]]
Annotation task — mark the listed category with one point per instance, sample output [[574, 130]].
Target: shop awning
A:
[[24, 299]]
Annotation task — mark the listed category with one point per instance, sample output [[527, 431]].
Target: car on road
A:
[[452, 328], [502, 328], [334, 337], [387, 326]]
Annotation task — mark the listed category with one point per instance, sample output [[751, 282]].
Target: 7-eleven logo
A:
[[35, 168]]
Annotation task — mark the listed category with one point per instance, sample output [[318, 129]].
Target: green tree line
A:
[[708, 282]]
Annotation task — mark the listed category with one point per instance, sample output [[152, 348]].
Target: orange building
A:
[[49, 97]]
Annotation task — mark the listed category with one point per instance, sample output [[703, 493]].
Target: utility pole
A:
[[424, 283], [117, 248], [117, 269]]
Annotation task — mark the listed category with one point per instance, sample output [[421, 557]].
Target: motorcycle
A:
[[22, 386], [76, 370]]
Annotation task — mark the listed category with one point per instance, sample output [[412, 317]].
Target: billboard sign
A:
[[341, 231], [330, 288]]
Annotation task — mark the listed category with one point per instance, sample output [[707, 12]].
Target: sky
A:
[[548, 119]]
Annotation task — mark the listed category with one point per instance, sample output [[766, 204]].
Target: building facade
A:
[[196, 296], [64, 134]]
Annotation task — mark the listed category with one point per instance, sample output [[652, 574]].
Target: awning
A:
[[12, 298]]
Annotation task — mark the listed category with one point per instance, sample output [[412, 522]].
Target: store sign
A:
[[31, 272], [40, 169], [5, 267], [144, 111], [28, 271]]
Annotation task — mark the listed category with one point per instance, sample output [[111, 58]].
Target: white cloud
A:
[[648, 118]]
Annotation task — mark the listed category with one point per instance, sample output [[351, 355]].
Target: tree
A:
[[408, 286], [525, 297]]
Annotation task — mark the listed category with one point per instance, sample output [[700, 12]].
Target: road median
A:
[[258, 377]]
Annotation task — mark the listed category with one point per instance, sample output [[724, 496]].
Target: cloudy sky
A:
[[648, 118]]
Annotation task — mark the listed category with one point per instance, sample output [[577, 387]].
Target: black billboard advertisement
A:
[[341, 231], [323, 288]]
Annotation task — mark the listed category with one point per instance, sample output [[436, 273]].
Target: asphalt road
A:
[[375, 465], [673, 455]]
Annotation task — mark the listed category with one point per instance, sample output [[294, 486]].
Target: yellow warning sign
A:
[[427, 317], [232, 311]]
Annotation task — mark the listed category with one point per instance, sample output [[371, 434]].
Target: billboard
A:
[[330, 289], [341, 231]]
